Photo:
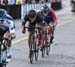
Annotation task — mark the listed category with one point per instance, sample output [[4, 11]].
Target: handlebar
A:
[[34, 27]]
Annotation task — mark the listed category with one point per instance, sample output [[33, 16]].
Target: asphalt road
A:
[[62, 52]]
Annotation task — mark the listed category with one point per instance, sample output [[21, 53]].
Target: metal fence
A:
[[25, 8]]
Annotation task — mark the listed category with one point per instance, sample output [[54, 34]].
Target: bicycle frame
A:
[[33, 45]]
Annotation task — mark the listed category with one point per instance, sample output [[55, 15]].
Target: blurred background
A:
[[18, 8]]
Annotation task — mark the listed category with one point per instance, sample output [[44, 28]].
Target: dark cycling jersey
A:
[[37, 20], [48, 18], [3, 29]]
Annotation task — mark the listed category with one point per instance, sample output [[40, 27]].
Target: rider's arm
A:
[[10, 23], [25, 19], [23, 23], [39, 19], [54, 16], [11, 28]]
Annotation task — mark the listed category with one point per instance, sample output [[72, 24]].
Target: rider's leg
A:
[[8, 45], [29, 38], [30, 30], [39, 39], [52, 31], [52, 36], [50, 28]]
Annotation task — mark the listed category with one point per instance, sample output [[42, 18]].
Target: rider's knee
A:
[[7, 35]]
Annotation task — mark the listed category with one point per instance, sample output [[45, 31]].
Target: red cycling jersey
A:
[[53, 14]]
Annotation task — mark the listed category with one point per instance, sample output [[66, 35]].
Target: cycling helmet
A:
[[32, 14], [2, 14], [45, 8]]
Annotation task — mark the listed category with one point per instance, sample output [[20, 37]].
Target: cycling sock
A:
[[8, 51]]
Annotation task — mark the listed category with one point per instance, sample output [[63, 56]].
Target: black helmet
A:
[[32, 14], [45, 8]]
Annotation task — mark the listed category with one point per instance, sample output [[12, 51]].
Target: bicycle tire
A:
[[31, 52], [36, 47], [36, 52], [43, 45], [43, 49]]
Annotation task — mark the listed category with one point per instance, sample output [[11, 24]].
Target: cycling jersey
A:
[[48, 18], [3, 29], [8, 23], [53, 15], [38, 19]]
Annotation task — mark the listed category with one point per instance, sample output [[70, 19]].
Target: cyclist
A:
[[34, 20], [50, 19], [7, 30]]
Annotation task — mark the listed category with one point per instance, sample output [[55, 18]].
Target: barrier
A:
[[25, 8], [56, 5], [19, 11], [13, 10]]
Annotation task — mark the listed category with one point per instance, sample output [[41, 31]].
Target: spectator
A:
[[29, 1], [18, 1], [11, 2]]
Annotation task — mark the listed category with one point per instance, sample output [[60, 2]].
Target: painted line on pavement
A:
[[19, 40], [61, 24], [24, 38]]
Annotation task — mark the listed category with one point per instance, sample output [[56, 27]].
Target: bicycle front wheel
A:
[[31, 52], [36, 52]]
